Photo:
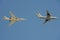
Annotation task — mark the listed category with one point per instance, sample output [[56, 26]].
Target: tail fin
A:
[[5, 18], [38, 15]]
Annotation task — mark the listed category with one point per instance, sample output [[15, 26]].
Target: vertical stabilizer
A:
[[5, 18], [38, 15]]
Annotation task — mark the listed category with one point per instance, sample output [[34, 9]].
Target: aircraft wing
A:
[[46, 21], [11, 22], [48, 14], [12, 15]]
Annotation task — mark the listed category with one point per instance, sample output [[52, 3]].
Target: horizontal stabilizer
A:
[[38, 15]]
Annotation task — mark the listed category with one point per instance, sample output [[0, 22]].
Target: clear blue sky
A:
[[32, 28]]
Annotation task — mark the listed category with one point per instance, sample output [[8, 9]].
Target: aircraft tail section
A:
[[5, 18], [38, 15]]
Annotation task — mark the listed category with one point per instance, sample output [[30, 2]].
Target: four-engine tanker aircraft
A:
[[13, 18], [47, 18]]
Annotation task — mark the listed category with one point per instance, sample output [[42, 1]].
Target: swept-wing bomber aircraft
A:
[[13, 18]]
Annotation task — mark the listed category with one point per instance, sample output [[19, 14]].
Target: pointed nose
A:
[[21, 19], [56, 17]]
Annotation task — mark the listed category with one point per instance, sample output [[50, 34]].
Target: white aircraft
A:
[[13, 18], [47, 18]]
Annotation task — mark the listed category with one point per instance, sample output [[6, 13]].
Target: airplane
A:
[[13, 18], [47, 18]]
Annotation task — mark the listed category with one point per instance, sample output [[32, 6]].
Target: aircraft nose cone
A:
[[22, 18]]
